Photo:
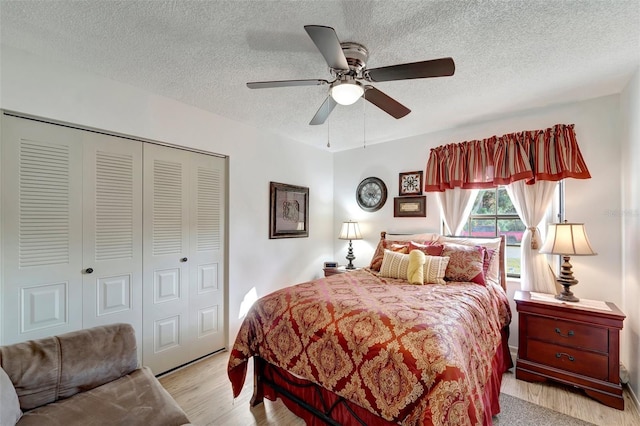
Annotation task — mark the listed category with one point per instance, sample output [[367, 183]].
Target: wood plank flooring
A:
[[203, 391]]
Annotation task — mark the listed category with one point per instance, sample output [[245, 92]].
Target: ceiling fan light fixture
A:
[[346, 92]]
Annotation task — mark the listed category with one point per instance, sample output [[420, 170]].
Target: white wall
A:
[[51, 90], [593, 201], [630, 214]]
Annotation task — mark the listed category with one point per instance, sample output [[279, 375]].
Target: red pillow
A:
[[430, 249], [488, 257], [466, 263]]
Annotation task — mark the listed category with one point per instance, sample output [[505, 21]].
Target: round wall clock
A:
[[371, 194]]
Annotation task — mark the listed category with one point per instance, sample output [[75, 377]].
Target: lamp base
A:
[[567, 296], [350, 257], [566, 280]]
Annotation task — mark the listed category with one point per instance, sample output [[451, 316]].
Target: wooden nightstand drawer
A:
[[568, 333], [577, 361], [573, 344]]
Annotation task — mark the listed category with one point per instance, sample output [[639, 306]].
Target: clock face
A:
[[371, 194]]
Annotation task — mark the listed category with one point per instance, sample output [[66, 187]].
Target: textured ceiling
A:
[[509, 55]]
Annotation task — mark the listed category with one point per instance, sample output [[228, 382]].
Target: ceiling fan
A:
[[348, 66]]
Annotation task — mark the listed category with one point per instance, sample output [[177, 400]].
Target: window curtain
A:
[[531, 202], [455, 206], [551, 154], [525, 158]]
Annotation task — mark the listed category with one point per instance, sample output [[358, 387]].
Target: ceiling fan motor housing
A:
[[356, 55]]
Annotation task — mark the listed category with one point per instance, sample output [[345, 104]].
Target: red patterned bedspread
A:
[[415, 354]]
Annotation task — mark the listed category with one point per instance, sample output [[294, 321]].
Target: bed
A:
[[368, 347]]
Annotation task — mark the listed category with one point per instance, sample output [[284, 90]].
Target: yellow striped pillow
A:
[[394, 265], [434, 269]]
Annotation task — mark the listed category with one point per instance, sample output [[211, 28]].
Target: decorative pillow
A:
[[430, 248], [394, 265], [10, 413], [488, 258], [493, 273], [415, 270], [435, 268], [398, 246], [465, 263]]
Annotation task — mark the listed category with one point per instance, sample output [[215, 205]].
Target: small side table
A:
[[571, 344], [339, 270]]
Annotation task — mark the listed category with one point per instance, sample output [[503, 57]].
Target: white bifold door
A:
[[183, 256], [98, 229], [72, 230]]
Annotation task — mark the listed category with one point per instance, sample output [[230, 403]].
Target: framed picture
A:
[[410, 183], [410, 206], [288, 211]]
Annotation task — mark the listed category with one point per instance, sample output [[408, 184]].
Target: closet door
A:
[[41, 230], [206, 255], [112, 232], [183, 265], [165, 258]]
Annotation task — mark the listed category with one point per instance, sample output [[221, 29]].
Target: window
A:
[[493, 214]]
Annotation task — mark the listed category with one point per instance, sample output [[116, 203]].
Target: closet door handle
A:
[[184, 259], [88, 270]]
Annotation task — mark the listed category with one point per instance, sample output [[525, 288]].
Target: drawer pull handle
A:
[[559, 354], [569, 334]]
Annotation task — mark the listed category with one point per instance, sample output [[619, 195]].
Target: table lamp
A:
[[350, 231], [567, 239]]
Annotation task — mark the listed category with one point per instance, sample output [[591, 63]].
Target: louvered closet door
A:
[[165, 258], [206, 255], [112, 234], [41, 230]]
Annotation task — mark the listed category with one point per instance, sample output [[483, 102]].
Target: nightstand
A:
[[571, 344], [339, 270]]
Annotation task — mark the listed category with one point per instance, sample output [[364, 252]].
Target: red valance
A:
[[551, 154]]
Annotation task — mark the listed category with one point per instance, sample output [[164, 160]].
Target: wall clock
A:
[[371, 194]]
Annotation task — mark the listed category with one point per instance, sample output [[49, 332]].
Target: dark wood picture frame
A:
[[288, 211], [410, 183], [410, 206]]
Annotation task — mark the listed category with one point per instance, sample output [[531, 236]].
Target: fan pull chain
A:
[[364, 119], [328, 125]]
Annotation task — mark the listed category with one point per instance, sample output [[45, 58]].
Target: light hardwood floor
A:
[[203, 390]]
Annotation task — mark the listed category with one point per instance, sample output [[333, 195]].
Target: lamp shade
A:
[[346, 93], [350, 231], [567, 239]]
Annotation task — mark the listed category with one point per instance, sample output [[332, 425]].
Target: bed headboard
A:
[[502, 254]]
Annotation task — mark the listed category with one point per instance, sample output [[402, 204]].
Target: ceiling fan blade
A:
[[385, 103], [327, 42], [284, 83], [442, 67], [323, 112]]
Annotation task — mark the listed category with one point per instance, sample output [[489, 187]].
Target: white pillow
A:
[[9, 404], [421, 238]]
